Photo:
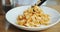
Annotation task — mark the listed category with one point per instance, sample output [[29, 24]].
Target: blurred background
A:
[[9, 4]]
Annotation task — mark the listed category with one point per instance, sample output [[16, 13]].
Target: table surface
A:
[[55, 28]]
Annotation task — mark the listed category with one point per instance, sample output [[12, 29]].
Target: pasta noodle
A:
[[33, 17]]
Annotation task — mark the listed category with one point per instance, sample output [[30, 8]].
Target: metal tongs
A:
[[42, 1], [38, 4]]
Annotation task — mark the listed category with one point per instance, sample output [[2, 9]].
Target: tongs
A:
[[42, 1], [39, 3]]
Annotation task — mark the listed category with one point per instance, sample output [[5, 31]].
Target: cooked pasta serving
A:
[[33, 17]]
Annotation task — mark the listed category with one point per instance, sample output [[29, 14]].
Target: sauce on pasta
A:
[[33, 17]]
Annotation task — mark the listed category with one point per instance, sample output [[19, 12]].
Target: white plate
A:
[[12, 15]]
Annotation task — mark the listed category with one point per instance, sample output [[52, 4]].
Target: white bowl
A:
[[12, 15]]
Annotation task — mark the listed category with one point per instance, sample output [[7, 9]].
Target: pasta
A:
[[33, 17]]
